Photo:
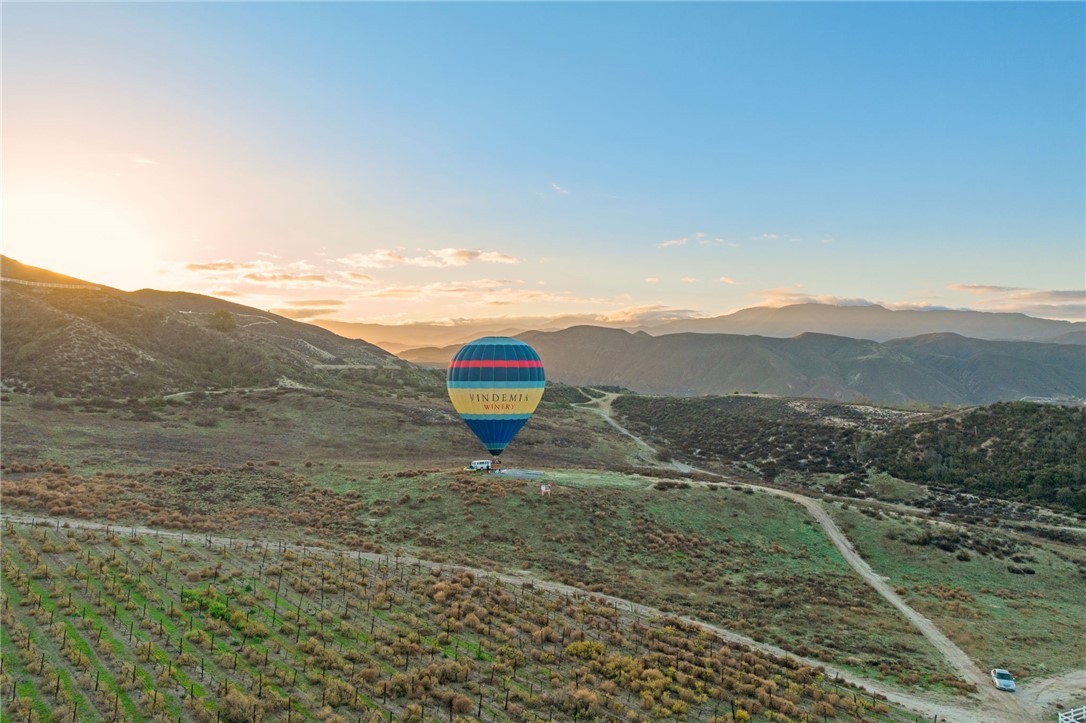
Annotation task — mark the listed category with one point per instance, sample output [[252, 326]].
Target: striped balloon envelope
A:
[[495, 383]]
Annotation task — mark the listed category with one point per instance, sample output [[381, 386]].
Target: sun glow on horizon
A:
[[218, 149], [78, 235]]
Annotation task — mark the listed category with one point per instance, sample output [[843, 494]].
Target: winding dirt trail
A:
[[947, 709], [989, 706], [993, 701], [1046, 694]]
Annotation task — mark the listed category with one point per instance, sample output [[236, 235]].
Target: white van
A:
[[479, 465]]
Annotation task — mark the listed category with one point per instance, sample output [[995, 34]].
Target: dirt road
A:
[[995, 703], [950, 710], [988, 706], [1068, 690]]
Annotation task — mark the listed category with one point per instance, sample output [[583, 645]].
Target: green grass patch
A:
[[1008, 600]]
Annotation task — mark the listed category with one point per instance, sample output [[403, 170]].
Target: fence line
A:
[[1073, 716], [49, 285]]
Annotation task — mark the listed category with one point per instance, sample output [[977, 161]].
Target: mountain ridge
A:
[[939, 368], [873, 322], [70, 337]]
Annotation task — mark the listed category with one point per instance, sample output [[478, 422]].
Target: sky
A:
[[394, 162]]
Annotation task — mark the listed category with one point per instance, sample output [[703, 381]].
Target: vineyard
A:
[[748, 562], [104, 625]]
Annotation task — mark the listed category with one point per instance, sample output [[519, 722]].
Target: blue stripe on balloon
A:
[[495, 417], [495, 433], [530, 384]]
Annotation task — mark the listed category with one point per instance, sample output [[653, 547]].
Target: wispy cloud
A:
[[379, 259], [267, 273], [1054, 297], [917, 306], [439, 258], [980, 289], [288, 279], [1068, 304], [559, 189], [315, 302], [651, 280], [672, 242], [689, 280], [786, 296], [140, 160], [484, 292], [774, 236], [622, 317], [306, 313], [226, 266], [727, 280], [360, 277], [647, 313]]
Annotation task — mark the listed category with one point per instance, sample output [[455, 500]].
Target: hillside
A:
[[78, 338], [12, 269], [1021, 451], [1018, 451], [933, 369]]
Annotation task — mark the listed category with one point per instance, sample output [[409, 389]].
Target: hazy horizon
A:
[[392, 163]]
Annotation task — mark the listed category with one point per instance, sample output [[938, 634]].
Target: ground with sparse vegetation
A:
[[369, 469], [1025, 452], [1009, 600], [101, 626], [752, 563]]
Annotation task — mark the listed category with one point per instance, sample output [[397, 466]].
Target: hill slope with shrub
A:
[[69, 337], [1018, 450]]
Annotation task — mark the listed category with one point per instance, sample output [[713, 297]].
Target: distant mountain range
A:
[[398, 338], [71, 337], [931, 368], [879, 324], [858, 322]]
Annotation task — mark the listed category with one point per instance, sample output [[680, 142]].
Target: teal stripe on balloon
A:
[[495, 417]]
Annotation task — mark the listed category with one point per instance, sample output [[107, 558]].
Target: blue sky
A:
[[390, 162]]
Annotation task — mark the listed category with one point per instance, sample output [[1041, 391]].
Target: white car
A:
[[1003, 680]]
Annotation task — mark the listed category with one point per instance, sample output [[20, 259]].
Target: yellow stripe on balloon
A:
[[496, 401]]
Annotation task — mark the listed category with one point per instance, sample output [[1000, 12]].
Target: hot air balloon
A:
[[495, 383]]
